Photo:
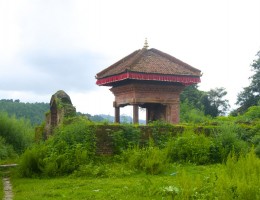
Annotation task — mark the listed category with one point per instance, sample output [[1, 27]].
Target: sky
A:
[[51, 45]]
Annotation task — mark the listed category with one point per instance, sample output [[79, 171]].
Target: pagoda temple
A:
[[150, 79]]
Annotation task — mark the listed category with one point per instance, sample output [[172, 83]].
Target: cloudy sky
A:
[[48, 45]]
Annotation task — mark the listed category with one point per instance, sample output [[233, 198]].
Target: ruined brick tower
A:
[[60, 107]]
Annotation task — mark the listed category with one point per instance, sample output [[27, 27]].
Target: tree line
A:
[[35, 112], [213, 102]]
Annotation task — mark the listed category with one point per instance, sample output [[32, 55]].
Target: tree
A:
[[250, 96], [210, 103], [213, 102], [192, 95]]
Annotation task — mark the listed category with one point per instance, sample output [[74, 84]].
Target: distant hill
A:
[[110, 119], [123, 119], [35, 112]]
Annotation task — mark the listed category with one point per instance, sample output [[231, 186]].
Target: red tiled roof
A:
[[150, 61]]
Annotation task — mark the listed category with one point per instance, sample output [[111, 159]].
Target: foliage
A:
[[126, 137], [190, 147], [250, 96], [151, 159], [238, 178], [16, 132], [214, 104], [191, 95], [190, 114], [6, 150], [72, 145], [103, 170], [251, 115], [32, 111], [227, 139], [196, 104], [161, 132]]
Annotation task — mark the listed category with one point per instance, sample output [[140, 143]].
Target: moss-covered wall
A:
[[112, 139]]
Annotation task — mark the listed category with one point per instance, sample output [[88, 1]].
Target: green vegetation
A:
[[208, 156], [149, 150], [15, 134], [239, 178], [202, 104], [250, 96], [71, 146], [31, 111], [206, 160]]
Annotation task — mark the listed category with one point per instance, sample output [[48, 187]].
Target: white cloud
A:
[[50, 45]]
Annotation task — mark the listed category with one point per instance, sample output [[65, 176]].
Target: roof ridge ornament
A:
[[145, 44]]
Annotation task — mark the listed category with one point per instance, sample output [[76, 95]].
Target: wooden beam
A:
[[135, 114]]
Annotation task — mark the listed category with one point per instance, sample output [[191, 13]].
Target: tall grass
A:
[[238, 178], [6, 150], [17, 132], [150, 160]]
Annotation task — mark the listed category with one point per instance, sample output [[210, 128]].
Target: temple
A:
[[150, 79]]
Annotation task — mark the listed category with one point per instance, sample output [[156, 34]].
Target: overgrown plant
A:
[[16, 132], [71, 146], [150, 159], [190, 147], [6, 150], [126, 137]]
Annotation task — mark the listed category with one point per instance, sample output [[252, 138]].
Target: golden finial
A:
[[145, 44]]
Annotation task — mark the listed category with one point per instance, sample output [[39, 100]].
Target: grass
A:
[[140, 186], [238, 179]]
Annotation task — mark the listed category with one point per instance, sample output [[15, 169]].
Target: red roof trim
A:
[[186, 80]]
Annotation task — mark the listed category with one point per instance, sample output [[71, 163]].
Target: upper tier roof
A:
[[149, 61]]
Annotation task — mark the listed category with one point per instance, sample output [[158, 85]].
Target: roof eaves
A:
[[100, 74]]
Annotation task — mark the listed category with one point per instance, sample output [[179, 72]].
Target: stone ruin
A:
[[60, 108]]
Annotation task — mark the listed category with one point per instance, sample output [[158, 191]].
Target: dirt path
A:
[[8, 194]]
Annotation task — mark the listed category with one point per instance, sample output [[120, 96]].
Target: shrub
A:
[[16, 132], [31, 162], [252, 114], [226, 140], [126, 137], [71, 146], [6, 150], [190, 114], [161, 132], [240, 177], [150, 160], [190, 147]]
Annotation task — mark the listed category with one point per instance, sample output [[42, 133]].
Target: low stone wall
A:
[[111, 138]]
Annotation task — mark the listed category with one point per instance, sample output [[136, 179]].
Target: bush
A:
[[227, 139], [32, 161], [252, 114], [16, 132], [6, 150], [71, 146], [150, 160], [190, 114], [190, 147], [240, 177], [126, 137]]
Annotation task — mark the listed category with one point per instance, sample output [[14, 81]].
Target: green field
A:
[[182, 182], [237, 179]]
